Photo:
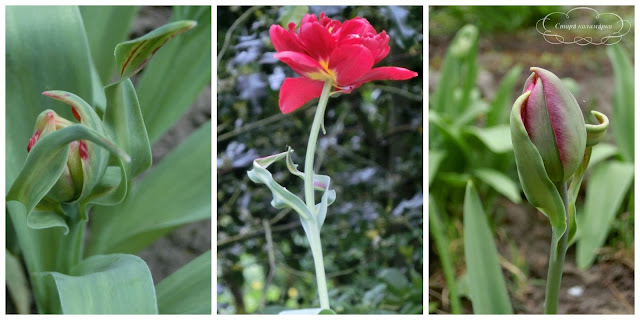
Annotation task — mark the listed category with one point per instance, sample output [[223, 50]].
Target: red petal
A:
[[299, 62], [297, 91], [387, 73], [284, 40], [317, 40], [350, 62]]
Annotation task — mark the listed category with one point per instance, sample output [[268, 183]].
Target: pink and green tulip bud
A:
[[554, 123], [69, 185]]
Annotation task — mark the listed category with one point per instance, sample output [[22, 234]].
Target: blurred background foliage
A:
[[372, 237], [479, 58]]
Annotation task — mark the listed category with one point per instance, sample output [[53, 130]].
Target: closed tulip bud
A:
[[554, 123], [69, 185]]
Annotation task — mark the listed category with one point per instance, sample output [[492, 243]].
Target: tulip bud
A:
[[554, 123], [69, 185]]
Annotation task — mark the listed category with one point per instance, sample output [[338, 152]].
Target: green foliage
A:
[[486, 283], [48, 49]]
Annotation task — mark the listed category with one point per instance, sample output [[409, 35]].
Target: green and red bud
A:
[[69, 185], [554, 123]]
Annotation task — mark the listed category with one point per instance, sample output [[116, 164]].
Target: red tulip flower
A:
[[325, 49]]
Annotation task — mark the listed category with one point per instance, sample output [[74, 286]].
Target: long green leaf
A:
[[606, 188], [46, 49], [133, 55], [499, 182], [435, 158], [106, 284], [500, 107], [188, 290], [177, 191], [106, 26], [496, 138], [17, 284], [437, 232], [177, 74], [486, 282], [623, 101]]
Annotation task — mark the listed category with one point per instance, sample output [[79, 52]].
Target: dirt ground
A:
[[608, 286]]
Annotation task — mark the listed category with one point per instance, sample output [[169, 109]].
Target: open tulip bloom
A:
[[552, 147], [331, 57]]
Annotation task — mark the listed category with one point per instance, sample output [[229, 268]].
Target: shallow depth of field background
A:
[[372, 236], [507, 38]]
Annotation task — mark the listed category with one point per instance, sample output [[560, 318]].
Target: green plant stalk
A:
[[314, 232], [556, 260]]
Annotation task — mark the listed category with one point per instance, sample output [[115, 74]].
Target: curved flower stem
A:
[[556, 260], [314, 233]]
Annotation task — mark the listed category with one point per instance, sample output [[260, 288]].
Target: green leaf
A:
[[535, 182], [177, 191], [437, 232], [106, 284], [177, 74], [46, 49], [497, 138], [123, 121], [623, 101], [308, 311], [435, 158], [601, 152], [499, 111], [499, 182], [606, 189], [106, 26], [293, 14], [486, 283], [282, 198], [572, 195], [188, 290], [17, 285], [132, 55]]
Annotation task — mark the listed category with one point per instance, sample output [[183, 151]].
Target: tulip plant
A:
[[332, 58], [552, 146], [82, 156]]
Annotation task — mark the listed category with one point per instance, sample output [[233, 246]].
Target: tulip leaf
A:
[[499, 110], [178, 184], [437, 232], [486, 282], [282, 198], [17, 284], [435, 158], [46, 49], [105, 284], [308, 311], [123, 120], [131, 56], [103, 34], [607, 187], [602, 151], [623, 101], [535, 182], [188, 290], [496, 138], [499, 182], [572, 196], [183, 65]]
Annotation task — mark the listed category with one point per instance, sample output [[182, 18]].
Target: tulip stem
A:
[[556, 260], [314, 233]]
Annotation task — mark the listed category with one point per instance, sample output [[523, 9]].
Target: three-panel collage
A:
[[353, 176]]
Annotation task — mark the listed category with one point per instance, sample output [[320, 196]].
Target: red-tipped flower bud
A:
[[69, 185], [554, 123]]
